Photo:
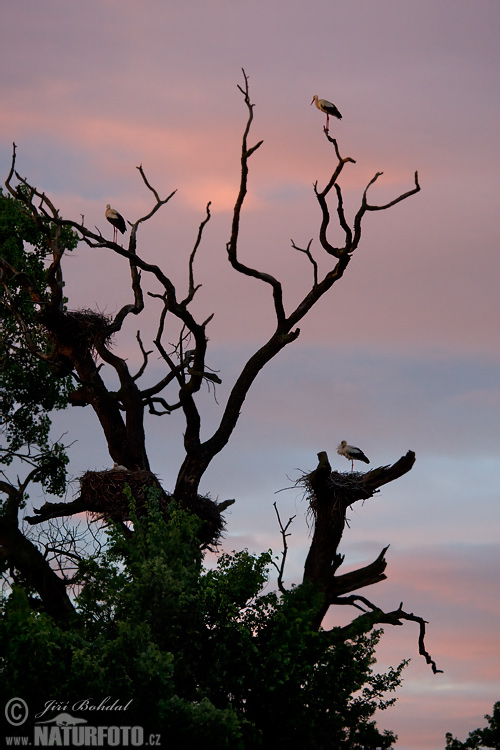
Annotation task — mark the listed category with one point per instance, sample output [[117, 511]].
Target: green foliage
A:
[[487, 737], [29, 387], [206, 656]]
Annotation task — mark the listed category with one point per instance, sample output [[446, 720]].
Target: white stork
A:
[[327, 107], [352, 453], [188, 357], [116, 220]]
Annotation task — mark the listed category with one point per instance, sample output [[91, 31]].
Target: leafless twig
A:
[[281, 568], [307, 252]]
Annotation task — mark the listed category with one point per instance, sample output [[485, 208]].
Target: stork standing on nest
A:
[[116, 220], [352, 454], [327, 107]]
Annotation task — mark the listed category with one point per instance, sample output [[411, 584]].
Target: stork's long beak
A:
[[312, 101]]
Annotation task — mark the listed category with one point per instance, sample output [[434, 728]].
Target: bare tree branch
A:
[[322, 196], [159, 202], [307, 252], [281, 568], [167, 408], [365, 206], [231, 246], [376, 616], [145, 356], [192, 287]]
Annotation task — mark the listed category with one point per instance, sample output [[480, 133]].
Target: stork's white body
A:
[[327, 107], [352, 453]]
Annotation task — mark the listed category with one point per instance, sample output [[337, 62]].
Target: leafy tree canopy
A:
[[205, 655], [29, 390], [487, 737]]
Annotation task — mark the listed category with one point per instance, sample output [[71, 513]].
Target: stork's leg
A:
[[327, 121]]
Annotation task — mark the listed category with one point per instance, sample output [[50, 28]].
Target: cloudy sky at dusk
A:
[[405, 351]]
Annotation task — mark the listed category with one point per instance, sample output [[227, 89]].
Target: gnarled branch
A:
[[376, 616]]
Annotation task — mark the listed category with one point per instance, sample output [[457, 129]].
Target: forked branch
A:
[[307, 251], [281, 567], [374, 616], [192, 287], [365, 206], [232, 245]]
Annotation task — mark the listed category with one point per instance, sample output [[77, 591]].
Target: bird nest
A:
[[106, 497], [84, 328], [341, 489]]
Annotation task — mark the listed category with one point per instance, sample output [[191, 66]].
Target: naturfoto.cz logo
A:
[[80, 735], [67, 730]]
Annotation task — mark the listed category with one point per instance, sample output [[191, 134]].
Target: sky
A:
[[402, 354]]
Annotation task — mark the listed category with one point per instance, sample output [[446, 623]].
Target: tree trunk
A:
[[25, 559], [330, 494]]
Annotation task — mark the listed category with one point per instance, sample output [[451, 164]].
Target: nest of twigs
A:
[[104, 492], [341, 489], [85, 328], [106, 499]]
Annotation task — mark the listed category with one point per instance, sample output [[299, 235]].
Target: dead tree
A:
[[330, 494], [79, 343]]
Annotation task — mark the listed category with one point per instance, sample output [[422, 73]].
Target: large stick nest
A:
[[340, 490], [85, 328], [104, 495]]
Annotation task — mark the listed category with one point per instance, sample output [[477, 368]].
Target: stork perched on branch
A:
[[116, 220], [352, 454], [327, 107]]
